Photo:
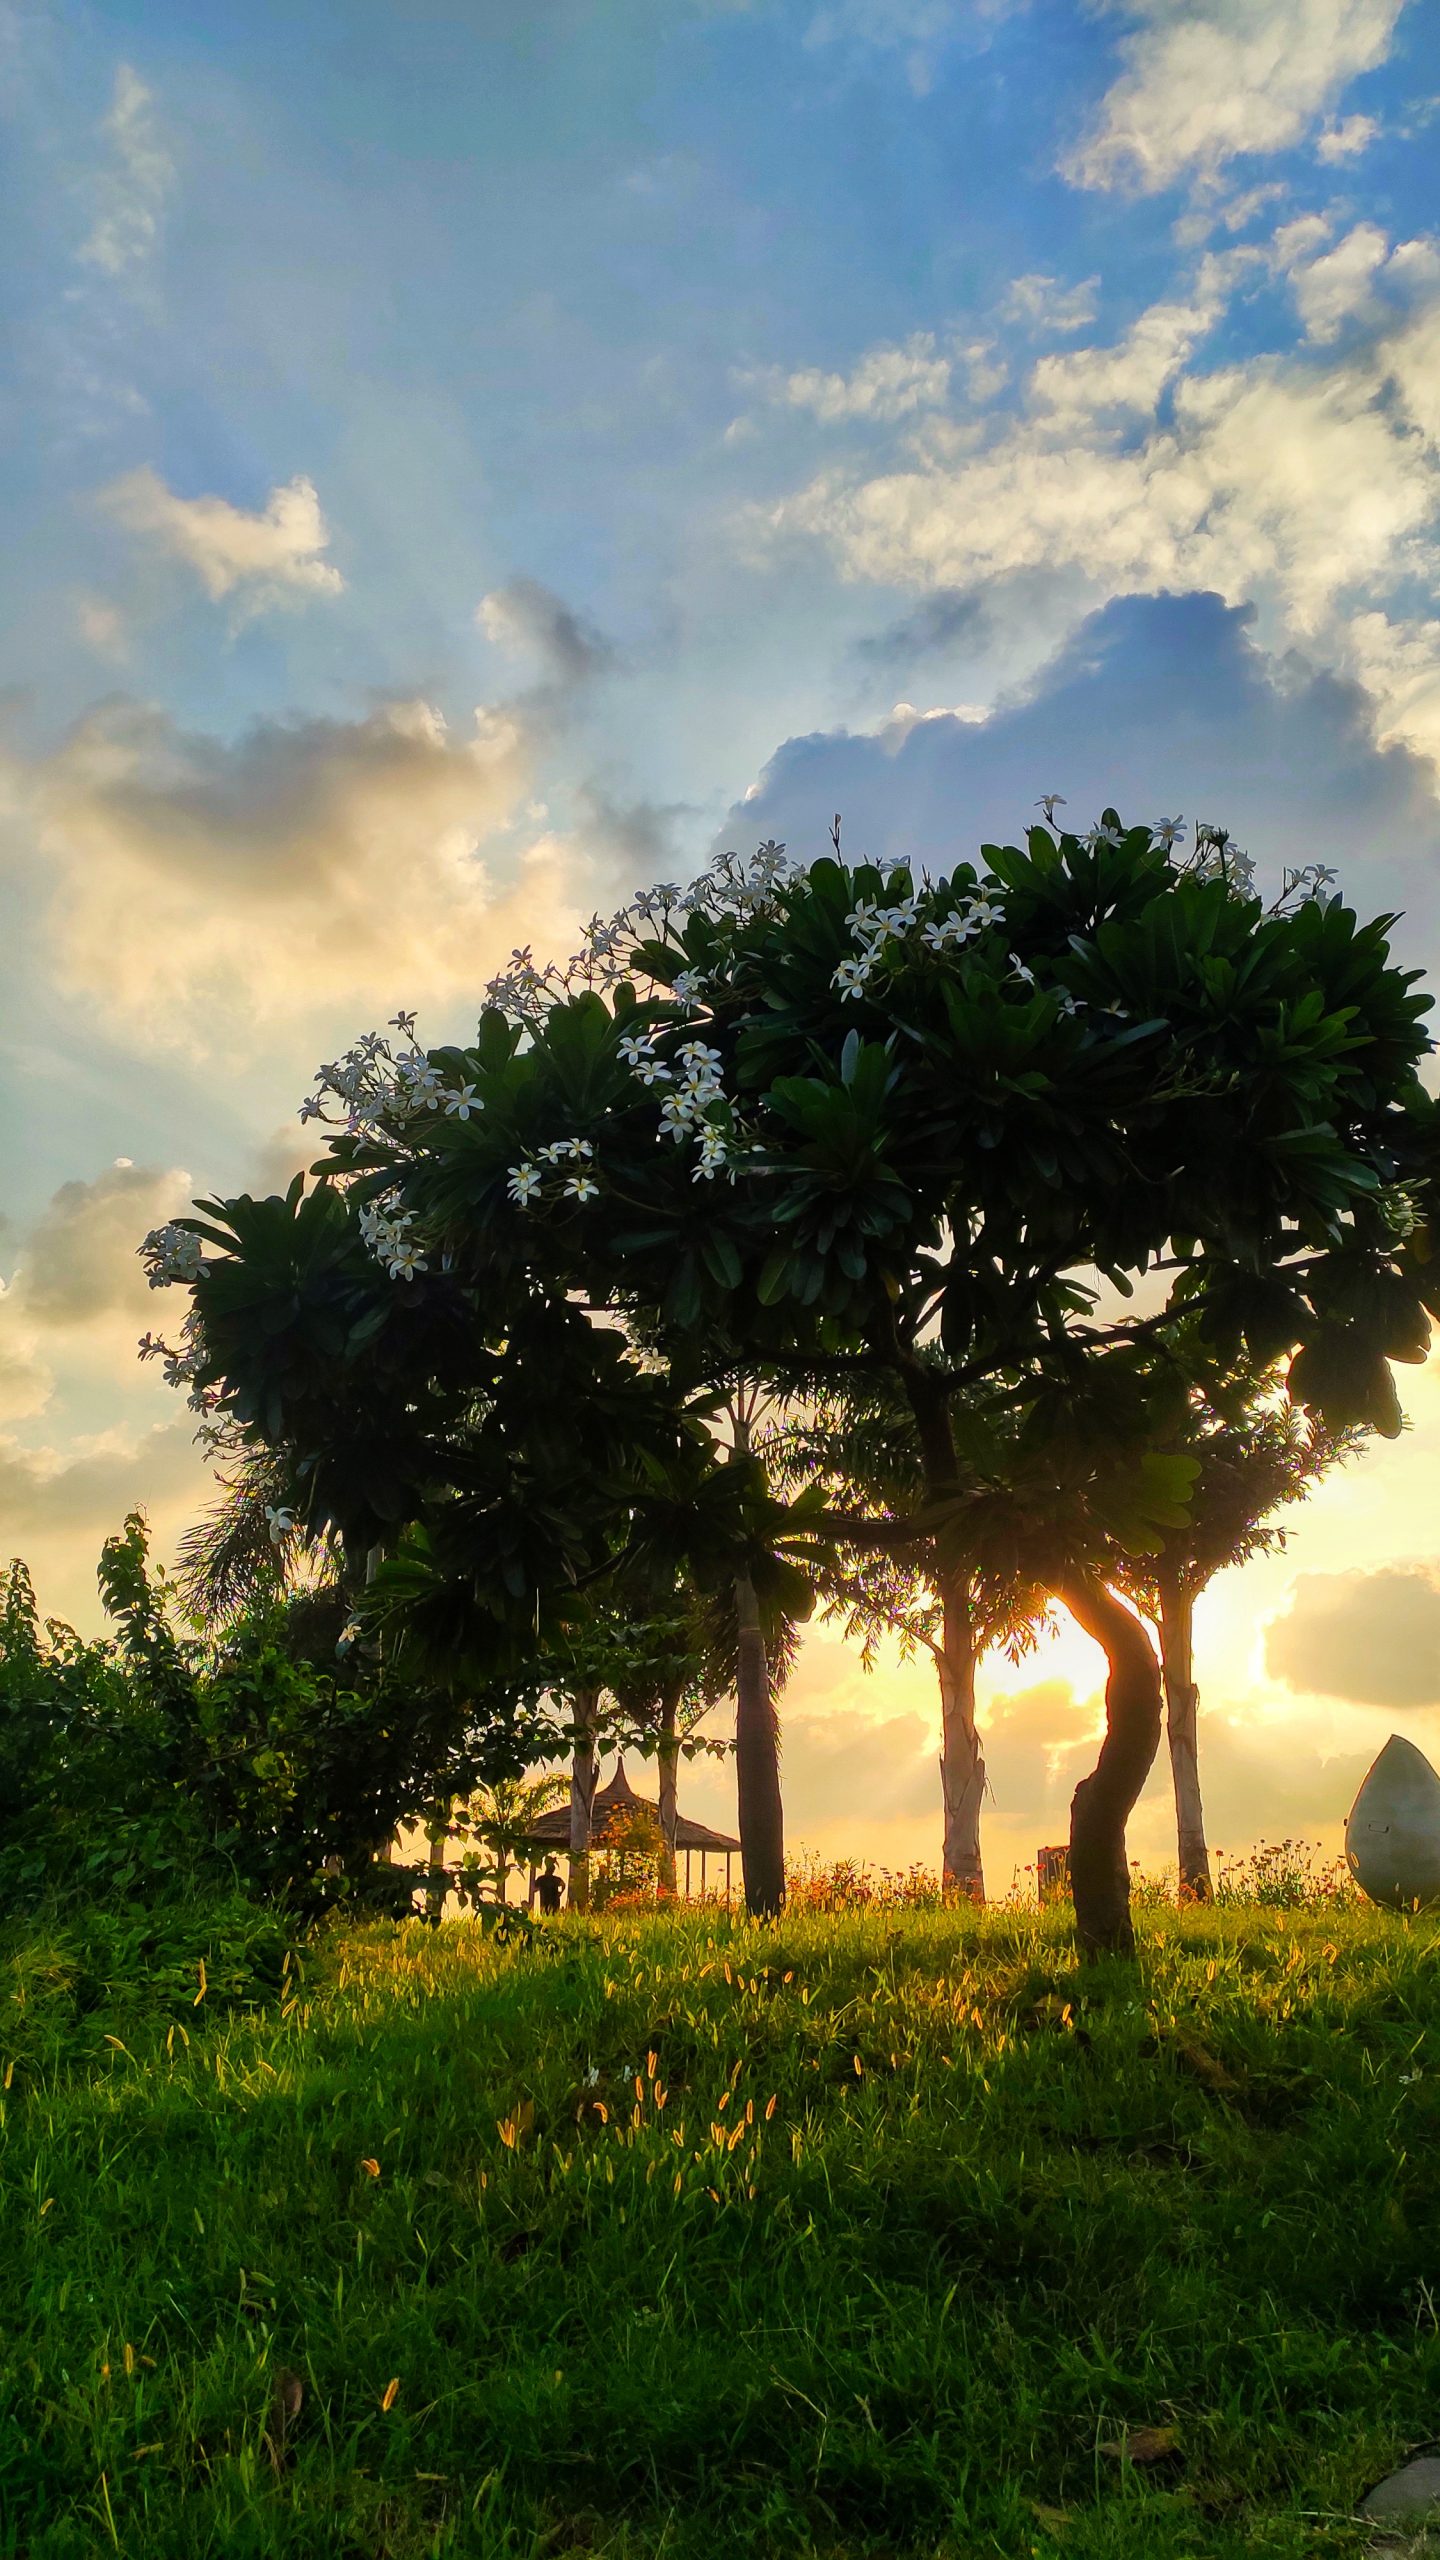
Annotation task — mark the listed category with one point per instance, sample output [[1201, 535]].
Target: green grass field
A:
[[664, 2236]]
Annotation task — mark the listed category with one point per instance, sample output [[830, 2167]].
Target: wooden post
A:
[[687, 1875], [530, 1896], [1052, 1874], [702, 1875], [727, 1879]]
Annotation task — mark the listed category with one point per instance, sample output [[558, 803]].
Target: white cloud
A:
[[1206, 81], [888, 383], [1307, 484], [270, 556], [78, 1298], [1339, 286], [1092, 382], [1040, 302], [1347, 139], [131, 190], [1371, 1638], [58, 1505], [199, 888]]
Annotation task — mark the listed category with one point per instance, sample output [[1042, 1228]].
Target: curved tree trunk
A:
[[668, 1766], [584, 1774], [1101, 1805], [1182, 1700], [757, 1762], [962, 1759]]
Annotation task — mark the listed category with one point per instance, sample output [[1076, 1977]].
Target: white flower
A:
[[169, 1255], [678, 1115], [852, 978], [461, 1101], [978, 918], [1019, 970], [863, 918], [1050, 801], [404, 1259], [1103, 835], [310, 1108], [525, 1180], [1167, 830], [686, 988], [279, 1521], [700, 1060], [635, 1048], [555, 1153], [652, 1071], [581, 1186], [1069, 1003], [404, 1023]]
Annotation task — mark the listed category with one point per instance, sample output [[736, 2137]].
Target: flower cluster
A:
[[170, 1255], [372, 1085], [183, 1363], [875, 927], [1217, 857], [685, 1113], [1313, 884], [729, 890], [385, 1226], [527, 1181]]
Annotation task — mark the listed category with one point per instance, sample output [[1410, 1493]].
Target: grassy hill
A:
[[870, 2234]]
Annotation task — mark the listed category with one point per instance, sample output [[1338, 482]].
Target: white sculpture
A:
[[1392, 1839]]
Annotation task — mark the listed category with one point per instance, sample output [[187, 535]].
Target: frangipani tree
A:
[[812, 1123]]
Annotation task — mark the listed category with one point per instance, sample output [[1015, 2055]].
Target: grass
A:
[[860, 2234]]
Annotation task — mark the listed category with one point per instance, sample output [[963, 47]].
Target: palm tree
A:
[[1254, 1453], [955, 1598]]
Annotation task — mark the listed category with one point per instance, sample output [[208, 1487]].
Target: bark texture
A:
[[1102, 1803], [584, 1773], [757, 1763], [962, 1758], [1182, 1703]]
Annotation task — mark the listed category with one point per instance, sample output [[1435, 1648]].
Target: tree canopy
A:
[[817, 1124]]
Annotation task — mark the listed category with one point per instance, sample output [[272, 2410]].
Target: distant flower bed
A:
[[1278, 1875]]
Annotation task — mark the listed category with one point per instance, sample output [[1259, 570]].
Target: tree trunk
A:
[[584, 1774], [1101, 1805], [1182, 1700], [757, 1763], [438, 1885], [668, 1766], [962, 1759]]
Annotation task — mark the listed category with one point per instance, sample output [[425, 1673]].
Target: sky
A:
[[461, 463]]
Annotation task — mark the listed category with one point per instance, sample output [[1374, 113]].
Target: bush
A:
[[153, 1763]]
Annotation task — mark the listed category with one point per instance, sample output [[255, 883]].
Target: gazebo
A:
[[615, 1805]]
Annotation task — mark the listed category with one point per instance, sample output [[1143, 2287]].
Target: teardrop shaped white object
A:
[[1392, 1839]]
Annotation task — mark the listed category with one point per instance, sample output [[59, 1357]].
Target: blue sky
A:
[[459, 462]]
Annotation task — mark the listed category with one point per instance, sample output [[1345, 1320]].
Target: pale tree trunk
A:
[[584, 1774], [962, 1759], [1182, 1701], [668, 1767], [757, 1762], [1102, 1803], [438, 1885]]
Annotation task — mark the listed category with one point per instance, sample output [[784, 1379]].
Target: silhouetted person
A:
[[549, 1891]]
